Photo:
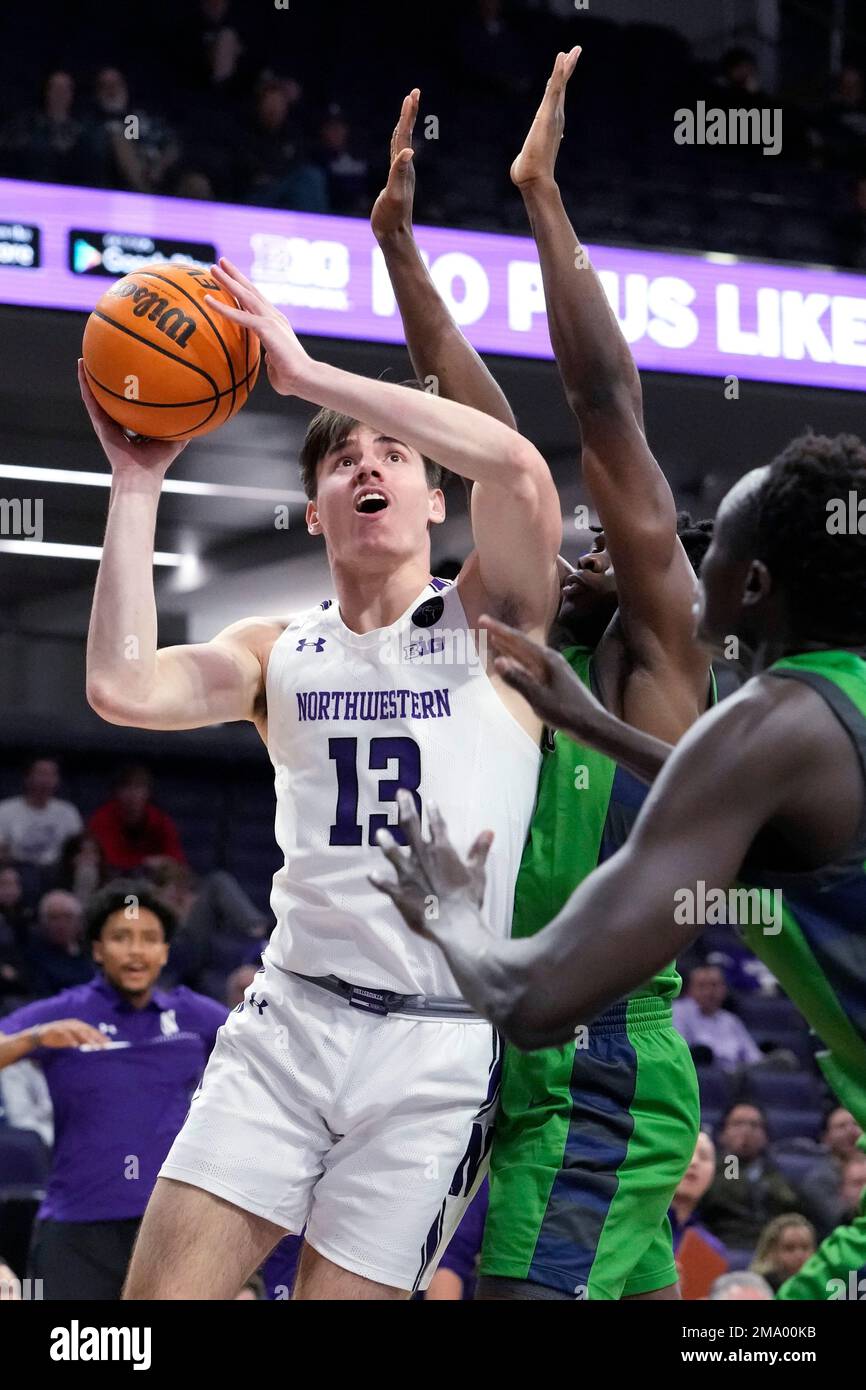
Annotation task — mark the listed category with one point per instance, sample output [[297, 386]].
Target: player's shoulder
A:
[[766, 723]]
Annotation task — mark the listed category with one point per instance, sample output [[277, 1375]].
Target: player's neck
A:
[[373, 600]]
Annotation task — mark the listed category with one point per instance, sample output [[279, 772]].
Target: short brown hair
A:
[[324, 433]]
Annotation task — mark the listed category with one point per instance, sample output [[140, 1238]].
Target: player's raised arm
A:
[[443, 360], [516, 518], [694, 827], [129, 681], [655, 582]]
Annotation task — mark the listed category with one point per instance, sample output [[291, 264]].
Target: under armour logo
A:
[[260, 1005], [305, 642]]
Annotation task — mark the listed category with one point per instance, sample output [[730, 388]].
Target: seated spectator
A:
[[740, 80], [46, 143], [748, 1189], [216, 924], [121, 1059], [16, 917], [702, 1021], [347, 174], [784, 1246], [218, 53], [34, 826], [853, 1185], [135, 147], [55, 955], [684, 1214], [26, 1100], [81, 867], [129, 829], [277, 175], [821, 1187], [741, 1287]]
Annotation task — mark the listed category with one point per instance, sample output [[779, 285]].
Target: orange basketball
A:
[[160, 361]]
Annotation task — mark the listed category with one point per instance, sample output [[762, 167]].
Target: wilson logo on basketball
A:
[[148, 303]]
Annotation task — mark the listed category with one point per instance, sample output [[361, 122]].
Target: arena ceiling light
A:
[[79, 478], [55, 550]]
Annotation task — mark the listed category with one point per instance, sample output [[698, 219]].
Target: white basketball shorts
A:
[[372, 1130]]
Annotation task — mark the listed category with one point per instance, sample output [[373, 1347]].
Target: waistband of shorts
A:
[[642, 1013], [384, 1002]]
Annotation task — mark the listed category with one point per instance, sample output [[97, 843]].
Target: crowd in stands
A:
[[266, 110]]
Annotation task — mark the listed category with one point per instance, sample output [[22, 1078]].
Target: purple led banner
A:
[[704, 315]]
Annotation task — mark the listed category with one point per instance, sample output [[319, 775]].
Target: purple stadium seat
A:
[[715, 1088], [784, 1090], [766, 1015], [24, 1163], [793, 1124]]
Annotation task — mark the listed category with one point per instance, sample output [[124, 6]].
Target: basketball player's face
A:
[[731, 584], [132, 951], [373, 502], [591, 587]]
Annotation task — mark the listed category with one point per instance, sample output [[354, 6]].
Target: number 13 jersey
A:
[[353, 717]]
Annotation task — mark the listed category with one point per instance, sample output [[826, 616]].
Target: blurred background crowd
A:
[[222, 112]]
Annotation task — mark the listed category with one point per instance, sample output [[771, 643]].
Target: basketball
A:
[[160, 362]]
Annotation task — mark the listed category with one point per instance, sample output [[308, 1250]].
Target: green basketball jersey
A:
[[818, 955], [585, 808]]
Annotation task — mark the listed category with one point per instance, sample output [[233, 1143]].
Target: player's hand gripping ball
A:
[[158, 359]]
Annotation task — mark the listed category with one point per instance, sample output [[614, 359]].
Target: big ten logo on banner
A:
[[297, 270], [460, 278]]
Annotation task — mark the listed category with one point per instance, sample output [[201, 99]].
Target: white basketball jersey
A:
[[352, 717]]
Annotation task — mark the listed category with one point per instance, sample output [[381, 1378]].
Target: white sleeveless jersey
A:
[[352, 717]]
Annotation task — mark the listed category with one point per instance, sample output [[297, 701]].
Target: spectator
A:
[[46, 143], [129, 829], [821, 1188], [703, 1022], [13, 974], [740, 78], [135, 147], [277, 176], [217, 49], [34, 826], [81, 867], [121, 1059], [741, 1287], [748, 1192], [55, 956], [784, 1246], [694, 1184], [15, 916], [839, 133], [26, 1099], [347, 174], [853, 1185], [217, 925]]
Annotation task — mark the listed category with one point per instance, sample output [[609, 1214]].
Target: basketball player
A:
[[353, 1089], [783, 578]]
